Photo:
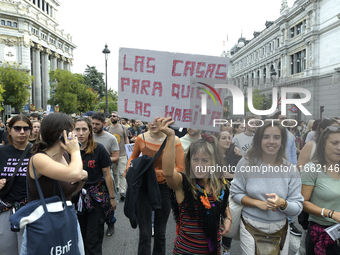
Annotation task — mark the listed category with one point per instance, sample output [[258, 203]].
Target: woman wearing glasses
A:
[[321, 191], [18, 131]]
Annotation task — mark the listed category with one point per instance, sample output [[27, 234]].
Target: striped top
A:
[[191, 238]]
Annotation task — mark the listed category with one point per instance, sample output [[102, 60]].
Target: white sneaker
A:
[[153, 232], [226, 252]]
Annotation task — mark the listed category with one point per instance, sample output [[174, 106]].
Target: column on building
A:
[[67, 65], [37, 75], [64, 60], [54, 61], [45, 76], [268, 71], [61, 63]]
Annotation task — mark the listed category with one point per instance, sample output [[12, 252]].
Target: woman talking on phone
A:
[[56, 136]]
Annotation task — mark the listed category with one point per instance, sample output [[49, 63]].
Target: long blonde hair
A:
[[209, 148]]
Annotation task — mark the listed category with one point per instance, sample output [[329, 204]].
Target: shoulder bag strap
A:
[[29, 145], [41, 195], [160, 149]]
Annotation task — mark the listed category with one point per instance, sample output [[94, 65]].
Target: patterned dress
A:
[[191, 238]]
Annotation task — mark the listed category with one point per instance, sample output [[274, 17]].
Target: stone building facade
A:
[[30, 36], [299, 49]]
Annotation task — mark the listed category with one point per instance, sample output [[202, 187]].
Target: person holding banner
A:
[[149, 143], [200, 196]]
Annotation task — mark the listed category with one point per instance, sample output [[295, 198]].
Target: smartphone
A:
[[61, 138]]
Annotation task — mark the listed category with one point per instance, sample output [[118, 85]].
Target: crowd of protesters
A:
[[93, 176]]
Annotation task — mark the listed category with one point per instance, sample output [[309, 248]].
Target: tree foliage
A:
[[112, 98], [16, 84], [94, 80], [258, 100], [70, 92]]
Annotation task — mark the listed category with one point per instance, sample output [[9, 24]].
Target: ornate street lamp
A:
[[106, 51]]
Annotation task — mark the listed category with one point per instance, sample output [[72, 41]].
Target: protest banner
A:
[[155, 83], [129, 149]]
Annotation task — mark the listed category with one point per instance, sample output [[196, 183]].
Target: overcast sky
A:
[[185, 26]]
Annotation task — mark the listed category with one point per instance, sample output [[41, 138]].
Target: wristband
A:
[[332, 214], [228, 219], [329, 214], [322, 212], [285, 206], [112, 197]]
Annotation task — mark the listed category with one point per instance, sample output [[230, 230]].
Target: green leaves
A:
[[15, 86], [94, 80], [70, 92]]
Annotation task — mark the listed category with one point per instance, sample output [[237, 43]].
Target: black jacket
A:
[[141, 175]]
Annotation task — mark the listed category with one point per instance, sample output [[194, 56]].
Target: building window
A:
[[299, 28], [292, 64], [258, 78], [303, 59], [264, 75], [278, 42], [47, 8], [292, 32], [252, 79], [15, 24], [298, 62], [279, 69], [39, 3], [43, 5], [33, 1], [9, 23], [3, 22]]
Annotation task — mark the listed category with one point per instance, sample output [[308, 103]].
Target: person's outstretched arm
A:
[[172, 177]]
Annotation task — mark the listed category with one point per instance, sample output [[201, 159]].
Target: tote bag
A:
[[236, 211], [51, 224]]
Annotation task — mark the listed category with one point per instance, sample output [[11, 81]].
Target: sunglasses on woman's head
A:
[[18, 128], [332, 128]]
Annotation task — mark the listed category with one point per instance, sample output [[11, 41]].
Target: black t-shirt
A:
[[94, 163], [4, 137], [9, 157]]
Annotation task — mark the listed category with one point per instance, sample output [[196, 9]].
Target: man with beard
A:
[[118, 168], [111, 145], [191, 136], [134, 130]]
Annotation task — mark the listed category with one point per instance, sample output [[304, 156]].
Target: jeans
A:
[[290, 219], [10, 242], [92, 229], [226, 242], [145, 222]]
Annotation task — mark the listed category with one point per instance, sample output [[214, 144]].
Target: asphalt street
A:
[[125, 239]]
